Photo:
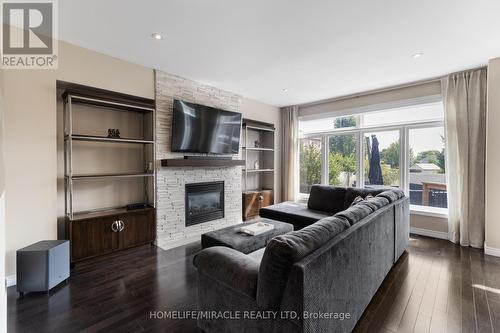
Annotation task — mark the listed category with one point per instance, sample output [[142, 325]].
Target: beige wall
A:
[[3, 294], [492, 228], [430, 223], [31, 135]]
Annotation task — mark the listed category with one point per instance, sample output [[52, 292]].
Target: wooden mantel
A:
[[182, 162]]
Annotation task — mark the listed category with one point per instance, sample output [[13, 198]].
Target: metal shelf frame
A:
[[112, 175], [77, 137], [70, 137]]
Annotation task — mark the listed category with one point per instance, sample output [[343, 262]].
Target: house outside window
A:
[[401, 147]]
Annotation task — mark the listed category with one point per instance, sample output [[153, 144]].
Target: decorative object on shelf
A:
[[256, 144], [113, 133], [256, 165]]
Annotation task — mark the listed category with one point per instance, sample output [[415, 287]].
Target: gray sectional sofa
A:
[[316, 279], [323, 201]]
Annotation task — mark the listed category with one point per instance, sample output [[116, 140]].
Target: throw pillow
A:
[[356, 200], [359, 199]]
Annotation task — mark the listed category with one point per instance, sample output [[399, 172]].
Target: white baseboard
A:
[[429, 233], [492, 251], [10, 280]]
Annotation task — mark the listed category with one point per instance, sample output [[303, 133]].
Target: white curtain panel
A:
[[464, 97], [289, 146]]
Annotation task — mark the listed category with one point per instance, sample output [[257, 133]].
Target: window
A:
[[404, 115], [399, 147], [427, 168], [328, 124], [310, 163], [382, 159], [342, 160]]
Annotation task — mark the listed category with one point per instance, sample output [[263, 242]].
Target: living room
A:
[[253, 167]]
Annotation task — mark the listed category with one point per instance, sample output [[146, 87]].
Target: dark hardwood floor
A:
[[436, 287]]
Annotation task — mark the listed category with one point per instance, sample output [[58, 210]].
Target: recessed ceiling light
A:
[[284, 90], [417, 55], [157, 36]]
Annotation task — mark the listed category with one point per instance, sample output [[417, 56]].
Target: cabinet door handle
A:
[[114, 226], [121, 225]]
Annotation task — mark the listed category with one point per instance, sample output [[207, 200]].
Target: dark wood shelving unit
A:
[[101, 230], [183, 162], [258, 173]]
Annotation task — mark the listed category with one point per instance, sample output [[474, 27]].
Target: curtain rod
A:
[[389, 88]]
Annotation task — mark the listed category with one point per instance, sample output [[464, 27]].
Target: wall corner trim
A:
[[10, 280], [492, 251], [429, 233]]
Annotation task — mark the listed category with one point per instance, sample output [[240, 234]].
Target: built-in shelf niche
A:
[[104, 173], [258, 151]]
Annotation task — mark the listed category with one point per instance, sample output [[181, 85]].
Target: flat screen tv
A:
[[203, 129]]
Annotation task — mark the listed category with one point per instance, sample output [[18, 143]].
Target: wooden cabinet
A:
[[94, 236], [253, 201], [138, 228], [91, 237]]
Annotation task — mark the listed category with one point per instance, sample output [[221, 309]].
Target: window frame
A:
[[360, 131]]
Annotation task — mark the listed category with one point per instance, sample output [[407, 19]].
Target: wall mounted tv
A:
[[203, 129]]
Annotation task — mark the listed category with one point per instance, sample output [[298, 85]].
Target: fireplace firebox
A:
[[204, 202]]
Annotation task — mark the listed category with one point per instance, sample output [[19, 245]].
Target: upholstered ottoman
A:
[[231, 237]]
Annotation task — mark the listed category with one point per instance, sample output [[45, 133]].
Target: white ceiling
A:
[[316, 49]]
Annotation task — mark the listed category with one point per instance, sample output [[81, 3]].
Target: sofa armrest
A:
[[230, 268]]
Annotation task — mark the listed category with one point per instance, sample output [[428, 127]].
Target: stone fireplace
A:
[[175, 224], [204, 202]]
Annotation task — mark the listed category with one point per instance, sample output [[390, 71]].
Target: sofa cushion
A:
[[360, 199], [353, 192], [355, 213], [356, 201], [284, 250], [326, 198], [294, 213], [368, 204], [257, 255], [392, 195], [378, 202], [232, 268]]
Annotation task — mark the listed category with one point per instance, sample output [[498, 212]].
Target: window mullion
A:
[[360, 172], [324, 160], [403, 159]]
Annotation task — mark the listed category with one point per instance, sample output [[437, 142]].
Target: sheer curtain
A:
[[465, 117], [289, 146]]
